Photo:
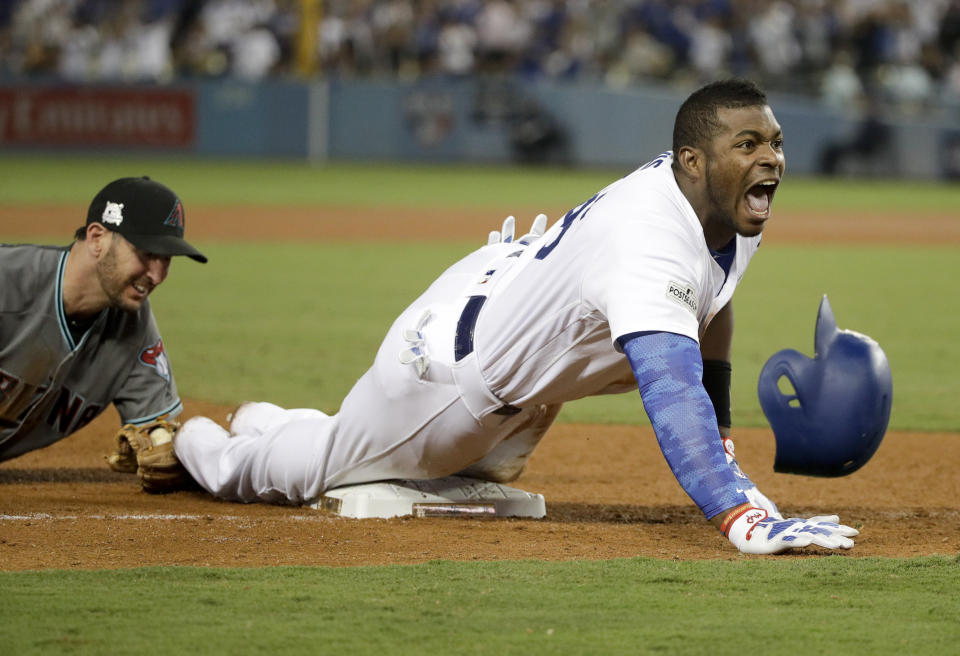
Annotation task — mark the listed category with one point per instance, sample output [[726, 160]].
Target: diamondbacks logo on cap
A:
[[156, 358], [175, 218], [113, 213]]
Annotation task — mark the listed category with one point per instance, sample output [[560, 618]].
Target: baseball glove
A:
[[147, 450]]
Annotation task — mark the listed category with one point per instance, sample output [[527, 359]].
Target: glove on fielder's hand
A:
[[753, 532], [148, 451]]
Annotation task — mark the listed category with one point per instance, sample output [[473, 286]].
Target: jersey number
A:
[[577, 212], [657, 161]]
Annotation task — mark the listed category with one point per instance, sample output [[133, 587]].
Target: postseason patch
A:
[[156, 358], [685, 295], [112, 213]]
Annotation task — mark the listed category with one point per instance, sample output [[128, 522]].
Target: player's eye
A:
[[777, 144]]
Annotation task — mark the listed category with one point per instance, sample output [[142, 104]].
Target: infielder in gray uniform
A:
[[77, 333], [631, 289]]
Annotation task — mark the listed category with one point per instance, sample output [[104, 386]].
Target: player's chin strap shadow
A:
[[11, 476]]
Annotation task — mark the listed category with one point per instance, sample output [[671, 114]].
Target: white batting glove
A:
[[754, 495], [506, 233], [503, 235], [537, 229], [751, 531]]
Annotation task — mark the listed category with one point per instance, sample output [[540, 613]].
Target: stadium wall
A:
[[482, 120]]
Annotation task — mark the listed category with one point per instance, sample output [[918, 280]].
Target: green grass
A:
[[882, 196], [212, 182], [811, 606], [901, 297], [74, 179]]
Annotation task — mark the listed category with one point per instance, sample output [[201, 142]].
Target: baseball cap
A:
[[146, 213]]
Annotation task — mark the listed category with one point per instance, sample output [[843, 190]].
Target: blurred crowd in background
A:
[[903, 54]]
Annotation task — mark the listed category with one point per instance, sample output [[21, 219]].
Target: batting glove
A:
[[754, 495], [751, 531], [506, 233]]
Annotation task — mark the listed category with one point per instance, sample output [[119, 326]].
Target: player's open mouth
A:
[[141, 289], [760, 197]]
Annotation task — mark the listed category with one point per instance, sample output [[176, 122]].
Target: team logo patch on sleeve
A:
[[156, 358], [685, 295]]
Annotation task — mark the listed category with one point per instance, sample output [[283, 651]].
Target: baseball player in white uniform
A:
[[631, 288]]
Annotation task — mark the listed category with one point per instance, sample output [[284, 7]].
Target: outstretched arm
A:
[[715, 348], [668, 369]]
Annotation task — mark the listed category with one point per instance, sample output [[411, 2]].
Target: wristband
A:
[[740, 529], [716, 380], [732, 516]]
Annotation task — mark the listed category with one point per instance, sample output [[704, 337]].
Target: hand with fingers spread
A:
[[753, 531]]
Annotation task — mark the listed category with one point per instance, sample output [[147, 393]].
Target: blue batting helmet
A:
[[834, 420]]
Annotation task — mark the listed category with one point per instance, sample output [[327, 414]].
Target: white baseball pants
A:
[[398, 421]]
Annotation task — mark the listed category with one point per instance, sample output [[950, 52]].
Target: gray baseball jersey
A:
[[55, 379]]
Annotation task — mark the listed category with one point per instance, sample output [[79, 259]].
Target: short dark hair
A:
[[80, 234], [697, 123]]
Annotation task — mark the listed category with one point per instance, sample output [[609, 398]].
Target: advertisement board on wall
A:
[[98, 116], [434, 119]]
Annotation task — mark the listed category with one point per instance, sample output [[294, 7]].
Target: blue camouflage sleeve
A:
[[668, 369]]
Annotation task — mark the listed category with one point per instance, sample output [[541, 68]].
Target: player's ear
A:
[[691, 161], [97, 240]]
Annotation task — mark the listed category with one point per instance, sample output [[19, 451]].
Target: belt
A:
[[463, 341]]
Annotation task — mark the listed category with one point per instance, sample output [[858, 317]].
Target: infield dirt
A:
[[609, 491]]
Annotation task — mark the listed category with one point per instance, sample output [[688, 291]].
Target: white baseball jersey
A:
[[487, 354], [633, 258]]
